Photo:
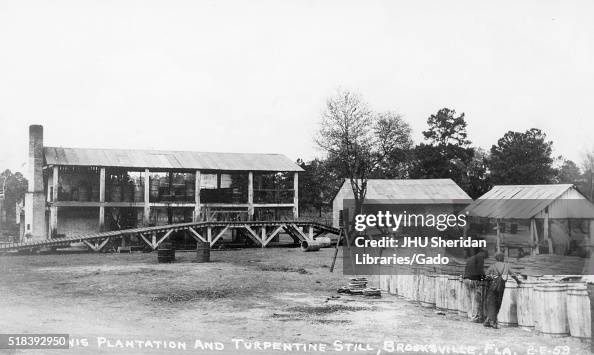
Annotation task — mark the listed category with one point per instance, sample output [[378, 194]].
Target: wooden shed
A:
[[394, 192], [553, 219]]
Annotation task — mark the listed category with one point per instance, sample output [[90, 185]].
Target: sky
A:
[[253, 76]]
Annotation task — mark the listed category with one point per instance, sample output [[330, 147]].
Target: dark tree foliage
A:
[[15, 186], [447, 154], [318, 184], [569, 173], [522, 158], [446, 129]]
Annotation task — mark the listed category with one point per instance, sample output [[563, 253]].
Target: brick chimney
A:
[[35, 219], [35, 158]]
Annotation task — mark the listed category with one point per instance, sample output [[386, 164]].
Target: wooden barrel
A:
[[392, 282], [525, 304], [441, 292], [399, 286], [310, 245], [464, 300], [427, 291], [325, 242], [578, 311], [383, 283], [508, 312], [374, 281], [408, 286], [551, 309], [202, 252], [166, 253], [452, 291], [416, 285]]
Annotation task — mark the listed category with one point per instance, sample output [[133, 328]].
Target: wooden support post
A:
[[53, 230], [263, 236], [102, 199], [311, 233], [55, 184], [197, 182], [498, 236], [250, 196], [296, 196], [547, 234], [146, 215], [591, 296], [534, 237], [209, 235]]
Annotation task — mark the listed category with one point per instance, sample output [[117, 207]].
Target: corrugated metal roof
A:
[[160, 159], [414, 190], [516, 201]]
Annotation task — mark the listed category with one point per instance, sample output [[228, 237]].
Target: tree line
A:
[[361, 144]]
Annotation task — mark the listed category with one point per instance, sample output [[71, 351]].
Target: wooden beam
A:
[[296, 196], [150, 244], [197, 182], [164, 237], [102, 185], [250, 195], [209, 234], [55, 183], [96, 246], [263, 235], [272, 235], [253, 235], [219, 235], [498, 236], [547, 234], [101, 199], [196, 235], [305, 237], [147, 197]]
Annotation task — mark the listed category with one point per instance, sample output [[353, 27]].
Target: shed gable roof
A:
[[517, 201], [421, 190]]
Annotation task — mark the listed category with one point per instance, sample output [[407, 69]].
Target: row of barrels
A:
[[541, 304]]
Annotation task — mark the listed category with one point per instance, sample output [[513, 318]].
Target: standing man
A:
[[474, 276]]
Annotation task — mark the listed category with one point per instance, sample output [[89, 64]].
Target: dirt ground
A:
[[249, 301]]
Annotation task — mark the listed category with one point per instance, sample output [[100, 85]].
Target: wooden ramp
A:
[[261, 232]]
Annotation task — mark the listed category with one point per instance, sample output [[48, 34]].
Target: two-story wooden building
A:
[[75, 191]]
